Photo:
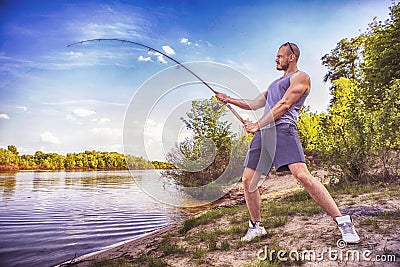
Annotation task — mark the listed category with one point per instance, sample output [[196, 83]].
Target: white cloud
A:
[[108, 131], [145, 59], [160, 58], [197, 43], [69, 117], [4, 116], [48, 137], [112, 147], [81, 112], [153, 132], [101, 120], [185, 40], [167, 49], [74, 55], [22, 107], [84, 102]]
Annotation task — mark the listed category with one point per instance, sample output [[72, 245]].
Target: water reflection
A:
[[8, 183], [97, 179], [45, 181], [47, 217]]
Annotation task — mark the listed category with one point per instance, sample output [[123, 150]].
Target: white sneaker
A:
[[254, 230], [346, 227]]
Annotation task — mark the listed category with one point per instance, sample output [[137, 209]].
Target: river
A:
[[47, 218]]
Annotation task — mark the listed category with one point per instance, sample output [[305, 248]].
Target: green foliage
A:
[[344, 60], [382, 57], [310, 127], [212, 152], [93, 160], [358, 138], [13, 149], [349, 132], [9, 157], [162, 165]]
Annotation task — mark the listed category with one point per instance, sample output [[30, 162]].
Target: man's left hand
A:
[[251, 127]]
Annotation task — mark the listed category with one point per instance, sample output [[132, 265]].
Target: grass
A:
[[169, 247], [120, 262], [371, 221], [205, 217], [395, 214], [225, 245], [199, 253], [358, 189], [149, 261]]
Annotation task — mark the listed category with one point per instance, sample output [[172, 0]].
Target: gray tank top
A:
[[276, 90]]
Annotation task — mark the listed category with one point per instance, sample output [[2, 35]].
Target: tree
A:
[[360, 134], [382, 58], [205, 156], [13, 149], [345, 60], [9, 159], [70, 162]]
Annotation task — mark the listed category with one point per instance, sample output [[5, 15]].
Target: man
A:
[[282, 100]]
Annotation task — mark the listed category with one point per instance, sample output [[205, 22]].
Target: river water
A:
[[47, 218]]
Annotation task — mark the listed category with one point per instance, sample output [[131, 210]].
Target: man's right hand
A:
[[222, 97]]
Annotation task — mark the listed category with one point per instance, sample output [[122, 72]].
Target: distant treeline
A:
[[90, 160]]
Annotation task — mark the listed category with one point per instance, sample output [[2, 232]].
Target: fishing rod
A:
[[170, 58]]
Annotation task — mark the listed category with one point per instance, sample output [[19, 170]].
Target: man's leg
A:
[[315, 188], [319, 193], [253, 200]]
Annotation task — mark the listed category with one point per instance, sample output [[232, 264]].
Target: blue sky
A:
[[59, 99]]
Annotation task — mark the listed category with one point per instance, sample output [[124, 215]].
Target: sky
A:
[[63, 99]]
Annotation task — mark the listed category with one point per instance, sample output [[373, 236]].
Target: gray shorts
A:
[[279, 146]]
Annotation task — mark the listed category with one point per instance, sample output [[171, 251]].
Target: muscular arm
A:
[[253, 104], [299, 84]]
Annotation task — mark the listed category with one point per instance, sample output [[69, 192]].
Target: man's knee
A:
[[301, 173], [248, 176], [246, 180], [304, 178]]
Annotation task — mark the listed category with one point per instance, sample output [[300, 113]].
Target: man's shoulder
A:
[[300, 76]]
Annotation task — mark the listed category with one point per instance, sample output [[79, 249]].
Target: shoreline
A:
[[109, 250]]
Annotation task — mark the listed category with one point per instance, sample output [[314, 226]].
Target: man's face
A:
[[282, 59]]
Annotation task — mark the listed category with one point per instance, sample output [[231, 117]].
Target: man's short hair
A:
[[292, 48]]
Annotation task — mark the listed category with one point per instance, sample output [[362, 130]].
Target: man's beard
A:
[[284, 66]]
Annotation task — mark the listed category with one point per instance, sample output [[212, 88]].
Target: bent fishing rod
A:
[[170, 58]]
